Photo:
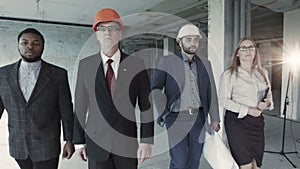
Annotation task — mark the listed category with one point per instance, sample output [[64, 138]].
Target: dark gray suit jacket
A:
[[170, 76], [108, 125], [35, 126]]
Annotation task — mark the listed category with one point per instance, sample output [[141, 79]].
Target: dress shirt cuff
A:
[[147, 140], [78, 146], [243, 111], [271, 107]]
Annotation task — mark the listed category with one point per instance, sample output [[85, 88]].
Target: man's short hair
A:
[[31, 30]]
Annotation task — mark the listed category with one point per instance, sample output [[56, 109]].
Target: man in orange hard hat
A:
[[109, 86]]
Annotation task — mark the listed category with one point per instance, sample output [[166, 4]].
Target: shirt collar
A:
[[186, 59], [34, 65], [116, 57], [254, 70]]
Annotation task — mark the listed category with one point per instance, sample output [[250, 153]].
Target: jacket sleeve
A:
[[66, 107], [147, 116], [158, 88], [1, 102], [1, 107], [159, 79], [81, 107], [213, 106]]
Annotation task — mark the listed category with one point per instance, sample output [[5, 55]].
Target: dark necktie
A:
[[110, 77]]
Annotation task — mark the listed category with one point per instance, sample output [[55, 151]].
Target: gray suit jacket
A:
[[35, 126]]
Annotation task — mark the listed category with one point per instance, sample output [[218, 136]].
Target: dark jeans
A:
[[184, 131], [29, 164]]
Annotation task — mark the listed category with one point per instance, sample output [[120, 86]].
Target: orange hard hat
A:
[[107, 15]]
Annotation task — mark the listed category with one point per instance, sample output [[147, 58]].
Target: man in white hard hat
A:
[[189, 87]]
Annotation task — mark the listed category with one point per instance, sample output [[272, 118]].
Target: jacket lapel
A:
[[201, 71], [13, 81], [102, 95], [122, 77], [100, 82], [42, 81]]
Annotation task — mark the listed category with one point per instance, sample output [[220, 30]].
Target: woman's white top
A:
[[239, 93]]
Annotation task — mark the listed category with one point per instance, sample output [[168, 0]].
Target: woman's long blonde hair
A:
[[235, 61]]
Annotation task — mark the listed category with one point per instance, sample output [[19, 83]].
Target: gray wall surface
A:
[[62, 43]]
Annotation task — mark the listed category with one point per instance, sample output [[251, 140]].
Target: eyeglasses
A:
[[245, 48], [109, 28]]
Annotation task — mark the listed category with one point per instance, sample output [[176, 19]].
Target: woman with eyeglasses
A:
[[245, 93]]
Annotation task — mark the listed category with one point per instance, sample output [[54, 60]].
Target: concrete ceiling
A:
[[83, 11], [278, 5], [196, 11]]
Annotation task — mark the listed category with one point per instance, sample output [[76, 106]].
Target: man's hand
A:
[[144, 152], [81, 153], [215, 126], [68, 150]]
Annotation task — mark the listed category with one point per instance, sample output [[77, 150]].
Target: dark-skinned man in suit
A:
[[37, 98]]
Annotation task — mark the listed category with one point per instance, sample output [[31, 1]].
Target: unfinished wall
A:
[[62, 43], [291, 47]]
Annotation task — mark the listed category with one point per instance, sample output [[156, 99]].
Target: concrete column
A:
[[291, 48], [216, 44], [216, 37], [237, 20], [169, 46]]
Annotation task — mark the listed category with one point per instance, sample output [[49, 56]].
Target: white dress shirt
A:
[[239, 93], [28, 75], [115, 64]]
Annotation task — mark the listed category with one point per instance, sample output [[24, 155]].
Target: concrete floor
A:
[[273, 135]]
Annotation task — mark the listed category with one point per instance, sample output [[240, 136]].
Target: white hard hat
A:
[[188, 29]]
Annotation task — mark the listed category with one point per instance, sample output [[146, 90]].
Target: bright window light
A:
[[294, 60]]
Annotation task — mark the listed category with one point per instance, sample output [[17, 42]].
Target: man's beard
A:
[[188, 50], [31, 59]]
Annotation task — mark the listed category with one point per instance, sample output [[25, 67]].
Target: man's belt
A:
[[189, 111]]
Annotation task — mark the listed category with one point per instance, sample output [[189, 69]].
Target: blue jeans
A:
[[184, 132]]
